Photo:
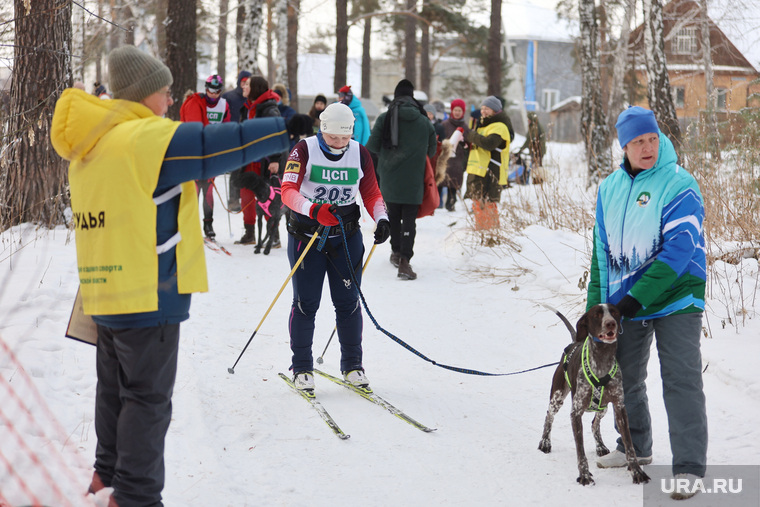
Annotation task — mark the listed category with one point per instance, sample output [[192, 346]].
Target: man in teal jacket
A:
[[649, 260]]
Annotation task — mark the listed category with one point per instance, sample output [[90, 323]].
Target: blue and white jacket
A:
[[649, 240]]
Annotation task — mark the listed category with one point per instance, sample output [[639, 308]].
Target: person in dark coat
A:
[[235, 99], [456, 164], [402, 137], [320, 103]]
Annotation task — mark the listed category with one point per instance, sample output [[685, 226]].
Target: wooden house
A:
[[734, 77]]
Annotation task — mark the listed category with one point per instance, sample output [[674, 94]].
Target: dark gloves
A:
[[324, 214], [382, 231], [628, 306], [300, 125]]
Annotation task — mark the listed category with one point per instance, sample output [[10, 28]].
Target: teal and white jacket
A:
[[648, 239]]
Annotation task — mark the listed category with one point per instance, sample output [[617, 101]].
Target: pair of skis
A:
[[365, 393]]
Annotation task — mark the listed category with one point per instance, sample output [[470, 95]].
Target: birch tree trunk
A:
[[32, 177], [341, 45], [181, 57], [281, 13], [494, 50], [248, 42], [593, 120], [410, 43], [658, 82], [271, 66]]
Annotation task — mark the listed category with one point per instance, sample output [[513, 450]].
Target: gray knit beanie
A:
[[133, 74], [493, 103]]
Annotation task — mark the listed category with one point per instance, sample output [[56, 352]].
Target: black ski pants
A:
[[403, 222], [136, 370]]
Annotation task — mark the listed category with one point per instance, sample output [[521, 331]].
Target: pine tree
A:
[[32, 177]]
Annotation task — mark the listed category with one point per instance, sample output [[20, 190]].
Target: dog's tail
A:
[[568, 325]]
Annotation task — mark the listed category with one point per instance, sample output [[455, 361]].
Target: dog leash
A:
[[467, 371]]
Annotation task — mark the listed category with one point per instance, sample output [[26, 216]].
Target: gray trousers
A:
[[678, 338], [136, 372]]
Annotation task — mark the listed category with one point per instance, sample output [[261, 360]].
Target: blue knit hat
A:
[[633, 122]]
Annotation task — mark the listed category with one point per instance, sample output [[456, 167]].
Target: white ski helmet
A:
[[337, 119]]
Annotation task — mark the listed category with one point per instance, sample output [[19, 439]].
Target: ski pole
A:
[[292, 271], [320, 359]]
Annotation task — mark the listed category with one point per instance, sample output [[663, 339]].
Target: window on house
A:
[[685, 41], [679, 96], [551, 98], [721, 104]]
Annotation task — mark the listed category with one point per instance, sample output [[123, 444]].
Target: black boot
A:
[[250, 235], [405, 270], [208, 230]]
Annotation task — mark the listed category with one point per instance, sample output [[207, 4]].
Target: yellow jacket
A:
[[116, 149], [480, 158]]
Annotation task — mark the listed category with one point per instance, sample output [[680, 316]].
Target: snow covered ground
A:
[[247, 439]]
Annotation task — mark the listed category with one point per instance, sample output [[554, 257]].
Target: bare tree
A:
[[494, 50], [366, 7], [32, 176], [366, 58], [425, 58], [281, 12], [271, 66], [248, 41], [180, 50], [616, 97], [341, 44], [410, 43], [658, 81], [294, 8], [161, 6], [593, 120], [221, 46], [711, 119]]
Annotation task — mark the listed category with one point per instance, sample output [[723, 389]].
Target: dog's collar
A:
[[597, 384]]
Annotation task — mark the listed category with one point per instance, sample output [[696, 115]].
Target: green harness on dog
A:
[[597, 384]]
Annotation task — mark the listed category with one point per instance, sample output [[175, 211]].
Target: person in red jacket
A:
[[261, 103], [207, 108]]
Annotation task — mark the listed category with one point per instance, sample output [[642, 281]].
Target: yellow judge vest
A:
[[112, 188], [477, 162]]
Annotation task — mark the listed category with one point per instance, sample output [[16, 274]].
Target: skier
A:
[[207, 108], [314, 198]]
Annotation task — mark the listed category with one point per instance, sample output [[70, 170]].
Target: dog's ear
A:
[[581, 328]]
